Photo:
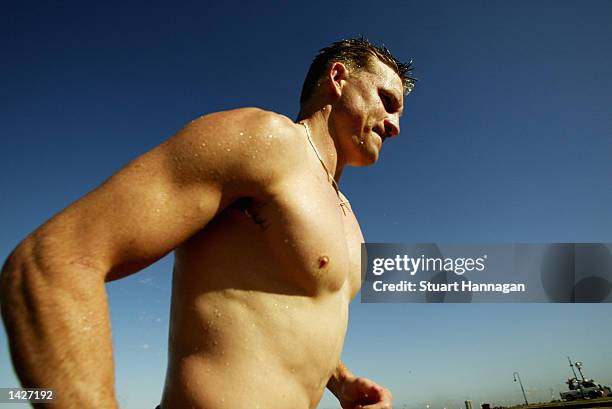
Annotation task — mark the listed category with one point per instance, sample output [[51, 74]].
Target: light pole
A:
[[516, 375]]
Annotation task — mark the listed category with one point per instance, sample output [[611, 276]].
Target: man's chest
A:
[[306, 230]]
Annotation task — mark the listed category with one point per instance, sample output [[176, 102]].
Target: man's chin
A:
[[368, 158], [374, 158]]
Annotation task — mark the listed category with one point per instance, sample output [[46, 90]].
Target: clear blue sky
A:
[[506, 138]]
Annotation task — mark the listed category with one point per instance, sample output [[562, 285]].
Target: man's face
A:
[[369, 112]]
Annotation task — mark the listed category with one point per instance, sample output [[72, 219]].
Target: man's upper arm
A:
[[150, 206]]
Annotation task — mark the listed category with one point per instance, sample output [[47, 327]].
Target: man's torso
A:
[[260, 295]]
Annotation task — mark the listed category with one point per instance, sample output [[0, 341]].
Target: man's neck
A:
[[318, 127]]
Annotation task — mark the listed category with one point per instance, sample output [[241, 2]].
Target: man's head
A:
[[363, 85], [357, 54]]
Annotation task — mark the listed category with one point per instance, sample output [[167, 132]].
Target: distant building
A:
[[468, 404]]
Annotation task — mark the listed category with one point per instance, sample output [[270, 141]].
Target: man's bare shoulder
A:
[[256, 124], [250, 144], [251, 114]]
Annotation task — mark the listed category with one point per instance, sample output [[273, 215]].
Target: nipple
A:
[[323, 260]]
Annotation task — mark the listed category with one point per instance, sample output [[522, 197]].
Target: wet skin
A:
[[266, 285], [266, 262], [260, 295]]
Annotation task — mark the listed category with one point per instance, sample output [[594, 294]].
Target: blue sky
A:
[[506, 138]]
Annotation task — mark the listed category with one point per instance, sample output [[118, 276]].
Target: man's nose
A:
[[392, 126]]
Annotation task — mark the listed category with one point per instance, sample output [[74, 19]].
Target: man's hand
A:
[[363, 393]]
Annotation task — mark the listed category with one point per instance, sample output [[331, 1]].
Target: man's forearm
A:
[[58, 328], [340, 374]]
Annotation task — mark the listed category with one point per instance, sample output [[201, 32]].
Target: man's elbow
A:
[[35, 267], [13, 265], [11, 278]]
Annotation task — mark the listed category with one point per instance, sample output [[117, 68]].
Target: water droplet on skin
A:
[[286, 240], [215, 342], [228, 149], [286, 307], [204, 144], [241, 133]]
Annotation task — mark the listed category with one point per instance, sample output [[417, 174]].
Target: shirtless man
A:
[[267, 252]]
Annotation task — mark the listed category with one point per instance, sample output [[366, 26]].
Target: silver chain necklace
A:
[[344, 204]]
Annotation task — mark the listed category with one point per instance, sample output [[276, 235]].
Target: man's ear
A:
[[336, 75]]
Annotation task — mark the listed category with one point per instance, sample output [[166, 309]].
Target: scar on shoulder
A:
[[323, 260]]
